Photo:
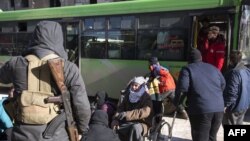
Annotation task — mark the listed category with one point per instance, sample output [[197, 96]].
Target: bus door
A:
[[71, 30], [201, 26]]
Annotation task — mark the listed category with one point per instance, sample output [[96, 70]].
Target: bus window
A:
[[99, 23], [121, 44], [115, 23], [121, 37], [7, 43], [88, 24], [94, 44], [94, 24], [167, 40], [128, 22], [71, 39], [22, 41], [146, 23]]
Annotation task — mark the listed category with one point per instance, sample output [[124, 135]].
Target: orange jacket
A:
[[166, 80]]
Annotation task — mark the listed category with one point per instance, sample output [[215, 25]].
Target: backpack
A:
[[31, 107]]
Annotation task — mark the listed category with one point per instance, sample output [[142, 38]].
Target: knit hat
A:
[[153, 60], [195, 56]]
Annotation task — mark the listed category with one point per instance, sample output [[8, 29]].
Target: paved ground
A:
[[181, 130]]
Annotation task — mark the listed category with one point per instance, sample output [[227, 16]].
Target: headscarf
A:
[[134, 96]]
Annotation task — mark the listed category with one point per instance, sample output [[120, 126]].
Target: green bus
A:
[[111, 42]]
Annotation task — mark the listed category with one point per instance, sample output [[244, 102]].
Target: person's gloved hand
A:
[[121, 116]]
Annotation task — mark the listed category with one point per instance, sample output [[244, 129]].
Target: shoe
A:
[[183, 114]]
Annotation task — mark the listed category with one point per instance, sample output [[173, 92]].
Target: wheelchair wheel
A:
[[161, 132]]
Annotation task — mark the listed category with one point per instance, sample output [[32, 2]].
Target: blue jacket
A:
[[236, 94], [5, 121], [203, 85]]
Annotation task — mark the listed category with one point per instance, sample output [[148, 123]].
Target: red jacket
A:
[[215, 54]]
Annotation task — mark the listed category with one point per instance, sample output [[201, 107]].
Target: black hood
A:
[[102, 98], [99, 117], [47, 38]]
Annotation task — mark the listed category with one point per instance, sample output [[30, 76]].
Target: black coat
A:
[[99, 129]]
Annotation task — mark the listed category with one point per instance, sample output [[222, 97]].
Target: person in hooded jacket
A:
[[99, 129], [47, 39]]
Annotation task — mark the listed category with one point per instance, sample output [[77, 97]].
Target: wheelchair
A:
[[161, 130]]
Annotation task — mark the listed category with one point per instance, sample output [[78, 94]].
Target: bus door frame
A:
[[243, 45], [228, 35], [75, 26]]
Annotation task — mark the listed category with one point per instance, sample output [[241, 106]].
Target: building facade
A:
[[8, 5]]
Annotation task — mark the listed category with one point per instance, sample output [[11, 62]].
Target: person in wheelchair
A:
[[134, 114], [165, 89]]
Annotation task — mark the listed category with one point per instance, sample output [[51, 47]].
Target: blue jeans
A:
[[204, 127]]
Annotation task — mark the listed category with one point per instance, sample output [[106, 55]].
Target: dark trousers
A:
[[130, 131], [204, 127]]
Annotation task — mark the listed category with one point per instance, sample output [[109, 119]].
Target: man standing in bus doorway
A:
[[166, 86], [216, 48], [236, 94], [203, 86], [46, 43]]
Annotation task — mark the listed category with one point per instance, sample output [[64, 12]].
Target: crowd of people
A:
[[200, 82]]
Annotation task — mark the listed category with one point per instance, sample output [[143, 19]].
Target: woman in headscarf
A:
[[133, 116]]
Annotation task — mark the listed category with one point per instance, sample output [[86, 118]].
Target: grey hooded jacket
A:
[[47, 39]]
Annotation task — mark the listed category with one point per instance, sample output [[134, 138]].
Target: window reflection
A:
[[94, 45], [164, 37], [161, 35], [94, 24], [121, 44], [13, 44], [244, 36]]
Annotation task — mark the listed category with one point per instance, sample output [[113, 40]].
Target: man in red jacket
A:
[[216, 48]]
